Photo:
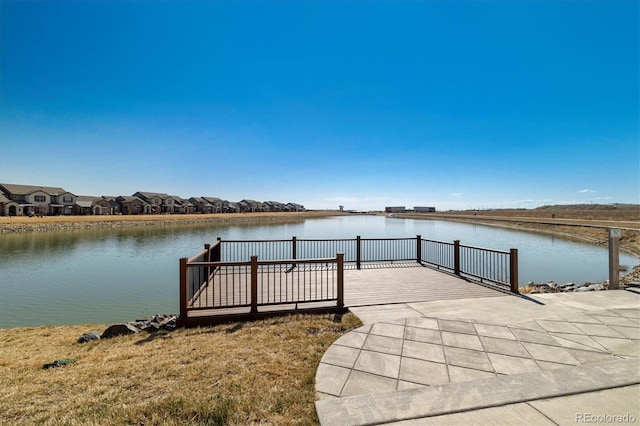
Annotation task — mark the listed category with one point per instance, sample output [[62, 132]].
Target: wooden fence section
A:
[[214, 292], [248, 279]]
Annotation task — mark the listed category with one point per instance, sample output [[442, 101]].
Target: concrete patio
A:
[[542, 359]]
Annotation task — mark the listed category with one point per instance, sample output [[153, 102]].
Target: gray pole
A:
[[614, 258]]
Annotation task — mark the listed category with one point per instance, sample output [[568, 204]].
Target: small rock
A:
[[170, 323], [140, 324], [59, 363], [565, 285], [151, 327], [119, 330], [90, 336], [596, 287], [160, 318]]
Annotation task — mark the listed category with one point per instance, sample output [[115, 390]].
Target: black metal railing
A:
[[437, 254], [253, 273], [490, 265], [486, 265], [207, 283]]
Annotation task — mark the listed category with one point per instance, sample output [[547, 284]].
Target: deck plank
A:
[[372, 285], [411, 283]]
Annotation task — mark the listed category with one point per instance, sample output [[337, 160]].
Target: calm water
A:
[[112, 275]]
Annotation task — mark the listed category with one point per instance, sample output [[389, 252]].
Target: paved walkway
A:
[[544, 359]]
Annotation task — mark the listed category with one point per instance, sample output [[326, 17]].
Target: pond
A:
[[115, 275]]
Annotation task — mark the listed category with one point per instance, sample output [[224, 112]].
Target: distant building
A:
[[401, 209], [84, 204], [107, 204], [21, 200], [29, 200], [424, 209]]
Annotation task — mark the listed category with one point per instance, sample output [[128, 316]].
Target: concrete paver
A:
[[502, 391], [497, 357]]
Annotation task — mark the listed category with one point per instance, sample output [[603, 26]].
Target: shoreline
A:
[[67, 223], [594, 232]]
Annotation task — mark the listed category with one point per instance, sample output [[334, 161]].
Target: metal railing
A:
[[258, 273], [208, 283], [437, 254], [486, 265]]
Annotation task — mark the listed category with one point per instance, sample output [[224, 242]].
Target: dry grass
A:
[[595, 212], [561, 221], [162, 217], [244, 373]]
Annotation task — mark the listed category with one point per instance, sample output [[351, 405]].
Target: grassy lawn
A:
[[242, 373]]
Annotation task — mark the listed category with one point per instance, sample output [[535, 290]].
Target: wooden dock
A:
[[375, 284]]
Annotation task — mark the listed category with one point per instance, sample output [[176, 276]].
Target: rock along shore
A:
[[155, 323]]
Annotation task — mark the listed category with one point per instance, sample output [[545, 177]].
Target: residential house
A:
[[38, 200], [201, 205], [246, 206], [293, 207], [182, 205], [133, 205], [215, 202], [84, 204], [105, 205], [160, 203], [273, 206], [4, 205], [230, 207]]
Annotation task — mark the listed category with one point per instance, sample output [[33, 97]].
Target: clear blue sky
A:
[[453, 104]]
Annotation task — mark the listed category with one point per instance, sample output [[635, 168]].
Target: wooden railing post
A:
[[254, 284], [340, 259], [294, 247], [207, 258], [217, 251], [358, 252], [419, 248], [184, 279], [513, 270], [456, 257]]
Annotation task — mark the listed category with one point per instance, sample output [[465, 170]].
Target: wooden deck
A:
[[375, 284], [407, 282]]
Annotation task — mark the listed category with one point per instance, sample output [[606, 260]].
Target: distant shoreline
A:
[[19, 224], [592, 231]]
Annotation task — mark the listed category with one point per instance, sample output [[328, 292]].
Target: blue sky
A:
[[453, 104]]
